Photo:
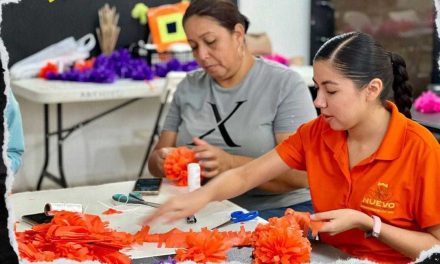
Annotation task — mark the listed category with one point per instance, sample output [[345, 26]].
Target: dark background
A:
[[32, 25]]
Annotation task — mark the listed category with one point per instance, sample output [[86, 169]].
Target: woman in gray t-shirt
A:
[[236, 108]]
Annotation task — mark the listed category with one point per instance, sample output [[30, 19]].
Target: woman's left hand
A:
[[212, 159], [342, 220]]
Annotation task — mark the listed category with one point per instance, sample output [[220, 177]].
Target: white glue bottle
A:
[[193, 170]]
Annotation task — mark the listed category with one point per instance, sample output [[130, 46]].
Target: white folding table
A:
[[96, 199], [60, 92]]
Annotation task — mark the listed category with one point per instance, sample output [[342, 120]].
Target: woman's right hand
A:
[[179, 207]]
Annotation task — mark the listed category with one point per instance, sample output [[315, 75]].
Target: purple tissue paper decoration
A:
[[190, 66], [162, 69], [170, 261], [121, 65], [107, 69]]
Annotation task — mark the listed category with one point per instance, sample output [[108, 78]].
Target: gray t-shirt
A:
[[243, 119]]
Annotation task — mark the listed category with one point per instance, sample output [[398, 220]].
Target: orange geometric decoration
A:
[[165, 23]]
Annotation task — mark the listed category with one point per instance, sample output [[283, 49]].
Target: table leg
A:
[[60, 140], [154, 133], [62, 134], [46, 145], [44, 172]]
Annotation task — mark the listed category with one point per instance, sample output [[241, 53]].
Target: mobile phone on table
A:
[[39, 218], [148, 186]]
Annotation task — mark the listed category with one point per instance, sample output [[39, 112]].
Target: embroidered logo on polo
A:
[[221, 124], [379, 199]]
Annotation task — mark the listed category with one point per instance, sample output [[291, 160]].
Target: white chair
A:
[[171, 81]]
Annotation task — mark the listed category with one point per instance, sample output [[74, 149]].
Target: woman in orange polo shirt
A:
[[371, 169]]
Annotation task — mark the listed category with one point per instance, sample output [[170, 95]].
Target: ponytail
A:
[[403, 96]]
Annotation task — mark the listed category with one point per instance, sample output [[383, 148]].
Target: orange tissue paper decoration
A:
[[304, 221], [84, 65], [280, 241], [74, 236], [174, 166], [48, 68], [204, 246]]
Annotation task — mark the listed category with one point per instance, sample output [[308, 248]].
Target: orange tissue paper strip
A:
[[175, 164], [111, 211], [84, 65]]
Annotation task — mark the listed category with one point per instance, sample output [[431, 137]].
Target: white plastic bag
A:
[[65, 52]]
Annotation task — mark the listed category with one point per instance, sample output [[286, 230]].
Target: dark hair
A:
[[359, 57], [224, 12]]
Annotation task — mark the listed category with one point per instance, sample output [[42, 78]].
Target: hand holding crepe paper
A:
[[175, 165]]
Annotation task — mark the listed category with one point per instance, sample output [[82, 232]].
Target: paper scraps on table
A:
[[111, 211]]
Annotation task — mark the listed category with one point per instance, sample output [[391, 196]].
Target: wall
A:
[[287, 22]]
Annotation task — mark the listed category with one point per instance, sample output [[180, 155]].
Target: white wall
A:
[[287, 22]]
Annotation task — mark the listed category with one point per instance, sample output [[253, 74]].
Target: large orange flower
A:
[[174, 166], [280, 241], [74, 236], [205, 246]]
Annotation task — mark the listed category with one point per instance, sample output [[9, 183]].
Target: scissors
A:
[[239, 216], [133, 198]]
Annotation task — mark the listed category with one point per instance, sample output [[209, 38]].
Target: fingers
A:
[[322, 216], [168, 213], [154, 217], [200, 142], [204, 154], [210, 173]]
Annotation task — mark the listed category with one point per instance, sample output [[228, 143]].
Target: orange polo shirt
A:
[[399, 182]]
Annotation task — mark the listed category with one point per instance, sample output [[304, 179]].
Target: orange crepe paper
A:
[[204, 246], [111, 211], [84, 237], [84, 65], [174, 166], [48, 68], [280, 241], [74, 236], [304, 221]]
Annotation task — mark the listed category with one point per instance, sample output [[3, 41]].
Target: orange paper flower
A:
[[48, 68], [175, 164], [204, 246], [281, 240], [74, 236]]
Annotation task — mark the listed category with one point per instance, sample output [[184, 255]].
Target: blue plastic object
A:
[[240, 216]]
